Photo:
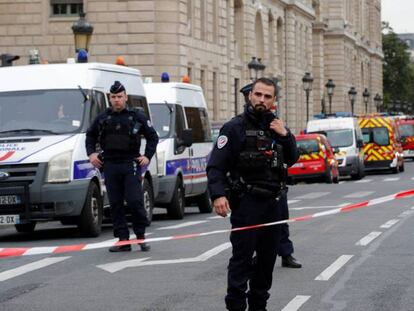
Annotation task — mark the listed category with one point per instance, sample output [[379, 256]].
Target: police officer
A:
[[285, 249], [118, 131], [246, 174]]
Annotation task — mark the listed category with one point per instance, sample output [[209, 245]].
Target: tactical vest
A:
[[261, 159], [120, 134]]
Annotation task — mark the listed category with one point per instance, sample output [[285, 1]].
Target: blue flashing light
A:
[[165, 77], [82, 56]]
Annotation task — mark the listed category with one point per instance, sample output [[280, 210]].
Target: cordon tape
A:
[[15, 252]]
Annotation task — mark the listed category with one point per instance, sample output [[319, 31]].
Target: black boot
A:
[[145, 247], [120, 248], [290, 262]]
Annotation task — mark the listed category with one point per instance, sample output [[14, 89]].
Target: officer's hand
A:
[[221, 206], [93, 158], [278, 127], [143, 160]]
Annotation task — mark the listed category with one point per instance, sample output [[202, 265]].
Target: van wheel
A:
[[90, 220], [402, 168], [148, 199], [204, 203], [359, 175], [176, 208], [26, 228], [329, 176]]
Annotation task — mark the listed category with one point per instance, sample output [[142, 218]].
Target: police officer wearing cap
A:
[[285, 249], [246, 175], [118, 132]]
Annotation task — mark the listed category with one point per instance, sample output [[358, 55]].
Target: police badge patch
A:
[[222, 141]]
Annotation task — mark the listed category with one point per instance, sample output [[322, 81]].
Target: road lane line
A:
[[368, 238], [293, 201], [391, 179], [389, 223], [333, 268], [312, 195], [296, 303], [359, 194], [9, 274], [361, 181], [184, 224], [318, 207], [405, 214]]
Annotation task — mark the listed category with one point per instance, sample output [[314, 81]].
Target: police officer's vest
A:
[[117, 133], [261, 159]]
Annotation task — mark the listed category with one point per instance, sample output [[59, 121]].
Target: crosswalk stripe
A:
[[359, 194], [9, 274]]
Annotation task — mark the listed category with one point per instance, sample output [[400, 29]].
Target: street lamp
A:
[[352, 96], [256, 68], [366, 96], [330, 86], [82, 30], [377, 100], [307, 87]]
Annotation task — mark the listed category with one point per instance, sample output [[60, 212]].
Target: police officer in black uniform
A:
[[118, 132], [247, 174], [285, 249]]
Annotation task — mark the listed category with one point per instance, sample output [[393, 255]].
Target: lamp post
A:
[[307, 87], [366, 96], [330, 86], [256, 68], [377, 100], [352, 96], [82, 30]]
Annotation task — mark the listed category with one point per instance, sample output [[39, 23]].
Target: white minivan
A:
[[45, 173], [345, 136], [180, 116]]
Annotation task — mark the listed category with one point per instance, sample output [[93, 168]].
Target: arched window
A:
[[258, 31]]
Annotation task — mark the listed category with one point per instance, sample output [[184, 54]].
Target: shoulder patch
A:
[[222, 141]]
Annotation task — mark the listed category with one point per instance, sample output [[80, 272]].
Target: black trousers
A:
[[250, 280], [123, 182], [286, 245]]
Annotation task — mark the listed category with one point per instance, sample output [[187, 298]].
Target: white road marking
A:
[[368, 238], [120, 265], [412, 207], [362, 181], [359, 194], [333, 268], [296, 303], [391, 179], [318, 207], [405, 214], [312, 195], [184, 224], [389, 223], [293, 201], [9, 274], [341, 182]]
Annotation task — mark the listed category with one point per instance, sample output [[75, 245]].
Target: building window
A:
[[66, 7]]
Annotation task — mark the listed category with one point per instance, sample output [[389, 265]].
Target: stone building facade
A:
[[213, 40]]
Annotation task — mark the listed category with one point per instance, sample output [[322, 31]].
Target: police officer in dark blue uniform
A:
[[247, 174], [118, 132], [285, 249]]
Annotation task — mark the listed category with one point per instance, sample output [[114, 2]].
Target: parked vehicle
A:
[[383, 148], [316, 161], [180, 116], [45, 173], [406, 127], [345, 136]]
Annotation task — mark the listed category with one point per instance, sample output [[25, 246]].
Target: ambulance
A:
[[180, 116], [45, 173], [382, 143], [406, 127]]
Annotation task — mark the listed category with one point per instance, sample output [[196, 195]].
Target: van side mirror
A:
[[186, 138], [360, 143]]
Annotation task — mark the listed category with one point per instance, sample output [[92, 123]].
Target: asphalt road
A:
[[357, 261]]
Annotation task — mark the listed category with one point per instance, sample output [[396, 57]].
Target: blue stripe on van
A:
[[83, 169], [187, 165]]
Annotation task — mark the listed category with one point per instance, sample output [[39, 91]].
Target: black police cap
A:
[[245, 90], [117, 87]]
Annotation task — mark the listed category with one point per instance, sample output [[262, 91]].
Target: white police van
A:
[[180, 116], [345, 136], [45, 173]]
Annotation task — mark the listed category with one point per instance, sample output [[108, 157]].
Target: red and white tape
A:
[[15, 252]]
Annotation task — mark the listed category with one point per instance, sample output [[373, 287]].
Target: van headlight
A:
[[59, 168], [161, 163]]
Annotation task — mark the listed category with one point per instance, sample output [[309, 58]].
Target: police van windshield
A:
[[161, 118], [339, 138], [40, 112]]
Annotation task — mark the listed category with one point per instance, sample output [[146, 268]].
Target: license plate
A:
[[9, 219], [9, 199]]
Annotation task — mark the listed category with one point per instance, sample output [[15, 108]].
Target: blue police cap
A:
[[117, 87], [245, 90]]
